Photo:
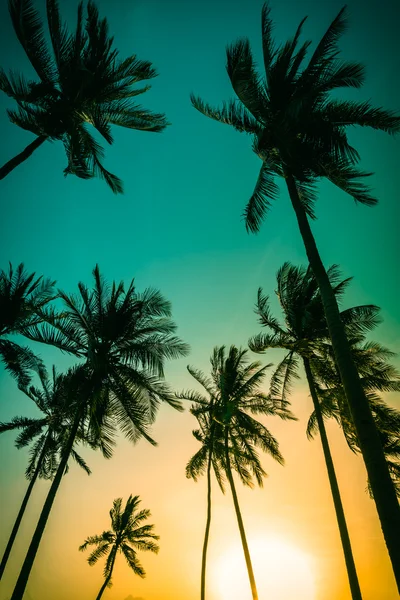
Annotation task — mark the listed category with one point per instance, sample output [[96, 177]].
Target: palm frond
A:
[[232, 113], [29, 30], [265, 190], [347, 113], [346, 177], [245, 81]]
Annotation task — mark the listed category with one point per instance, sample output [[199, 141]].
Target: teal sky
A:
[[178, 227]]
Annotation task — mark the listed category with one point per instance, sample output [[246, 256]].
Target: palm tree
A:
[[22, 298], [300, 133], [124, 338], [47, 435], [234, 393], [81, 82], [127, 535], [211, 455], [305, 337]]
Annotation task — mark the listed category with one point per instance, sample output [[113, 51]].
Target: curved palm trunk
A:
[[207, 531], [371, 448], [108, 578], [239, 519], [20, 586], [21, 511], [21, 157], [341, 519]]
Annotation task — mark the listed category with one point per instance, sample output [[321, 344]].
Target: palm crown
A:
[[22, 298], [124, 338], [127, 535], [81, 82], [234, 396], [297, 127], [305, 331]]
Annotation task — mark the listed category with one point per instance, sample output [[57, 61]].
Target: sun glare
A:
[[281, 570]]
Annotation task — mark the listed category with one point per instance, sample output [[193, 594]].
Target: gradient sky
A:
[[178, 228]]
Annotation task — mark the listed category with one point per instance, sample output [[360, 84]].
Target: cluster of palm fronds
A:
[[122, 338]]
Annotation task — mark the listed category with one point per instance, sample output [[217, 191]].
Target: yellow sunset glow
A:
[[282, 572]]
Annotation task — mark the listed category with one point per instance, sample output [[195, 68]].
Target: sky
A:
[[178, 228]]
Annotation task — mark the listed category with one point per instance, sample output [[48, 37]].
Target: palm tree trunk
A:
[[22, 156], [20, 586], [207, 532], [378, 473], [239, 519], [108, 578], [341, 519], [22, 510]]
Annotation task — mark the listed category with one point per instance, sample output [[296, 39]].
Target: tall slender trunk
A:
[[207, 531], [20, 586], [108, 578], [370, 444], [341, 519], [239, 519], [22, 156], [22, 509]]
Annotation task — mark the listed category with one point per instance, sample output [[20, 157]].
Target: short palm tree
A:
[[234, 395], [47, 435], [124, 339], [126, 536], [81, 82], [299, 132], [22, 298], [305, 338]]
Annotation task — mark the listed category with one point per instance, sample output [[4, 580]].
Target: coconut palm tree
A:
[[81, 82], [234, 391], [124, 339], [210, 456], [22, 297], [126, 536], [305, 338], [299, 132], [47, 435]]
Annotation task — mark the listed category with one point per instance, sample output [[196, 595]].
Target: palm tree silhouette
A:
[[305, 338], [81, 82], [124, 339], [234, 391], [300, 133], [211, 454], [22, 299], [47, 435], [126, 536]]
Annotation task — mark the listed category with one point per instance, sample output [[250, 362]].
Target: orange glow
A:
[[282, 571]]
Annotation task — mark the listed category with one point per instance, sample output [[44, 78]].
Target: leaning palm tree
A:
[[124, 339], [22, 298], [300, 133], [81, 82], [305, 338], [126, 536], [46, 435], [234, 390]]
